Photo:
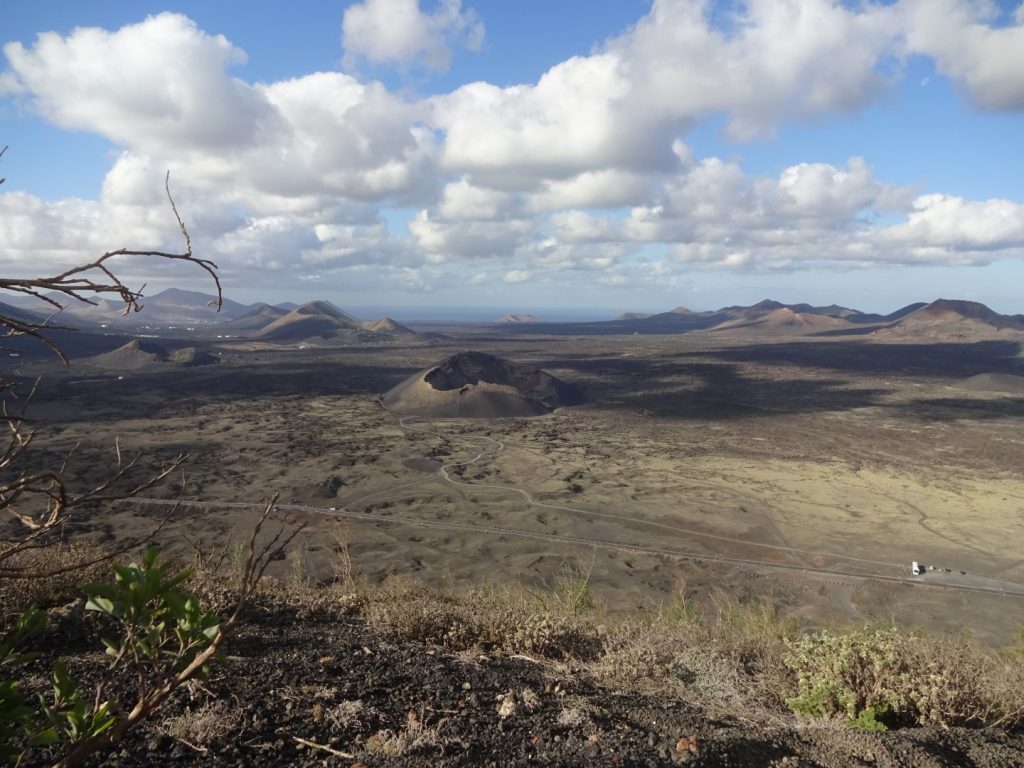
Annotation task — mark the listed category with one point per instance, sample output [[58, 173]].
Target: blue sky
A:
[[558, 157]]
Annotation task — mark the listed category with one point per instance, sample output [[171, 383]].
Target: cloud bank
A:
[[585, 172]]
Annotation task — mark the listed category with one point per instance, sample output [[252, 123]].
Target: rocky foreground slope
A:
[[412, 678]]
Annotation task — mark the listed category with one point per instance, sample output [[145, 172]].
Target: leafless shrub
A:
[[342, 565], [216, 575], [42, 501], [84, 282], [153, 693]]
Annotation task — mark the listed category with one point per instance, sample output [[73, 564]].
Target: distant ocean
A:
[[407, 314]]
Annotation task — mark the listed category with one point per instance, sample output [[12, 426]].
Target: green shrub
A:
[[160, 632], [160, 628], [881, 678], [867, 719], [15, 713]]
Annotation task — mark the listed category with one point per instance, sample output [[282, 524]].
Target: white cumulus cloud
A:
[[400, 32], [161, 82], [584, 170], [971, 47], [955, 224], [516, 276]]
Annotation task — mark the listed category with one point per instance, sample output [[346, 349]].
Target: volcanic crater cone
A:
[[476, 385], [142, 354]]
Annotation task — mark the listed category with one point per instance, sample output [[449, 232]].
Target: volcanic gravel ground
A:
[[330, 682]]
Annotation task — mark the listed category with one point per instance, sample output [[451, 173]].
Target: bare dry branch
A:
[[324, 748], [61, 506], [81, 283], [40, 500]]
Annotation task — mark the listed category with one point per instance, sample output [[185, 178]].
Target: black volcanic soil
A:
[[748, 400], [291, 676]]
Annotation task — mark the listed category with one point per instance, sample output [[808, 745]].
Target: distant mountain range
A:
[[171, 307], [517, 318], [322, 322], [766, 316], [315, 322], [941, 319]]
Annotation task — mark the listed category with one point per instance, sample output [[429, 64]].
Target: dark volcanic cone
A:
[[144, 354], [136, 354], [189, 356], [480, 386]]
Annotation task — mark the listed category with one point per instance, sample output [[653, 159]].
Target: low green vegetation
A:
[[156, 633], [880, 677], [730, 658]]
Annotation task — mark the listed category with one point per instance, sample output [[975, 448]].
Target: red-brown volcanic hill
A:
[[259, 318], [954, 319], [480, 386], [389, 326], [315, 319], [782, 321]]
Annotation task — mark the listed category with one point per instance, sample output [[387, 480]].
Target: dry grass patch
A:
[[728, 659], [209, 726], [79, 563], [480, 620], [414, 738], [349, 716]]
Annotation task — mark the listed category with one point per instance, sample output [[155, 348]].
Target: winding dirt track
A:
[[496, 446], [499, 446]]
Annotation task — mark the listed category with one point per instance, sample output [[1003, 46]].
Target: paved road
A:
[[949, 582]]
